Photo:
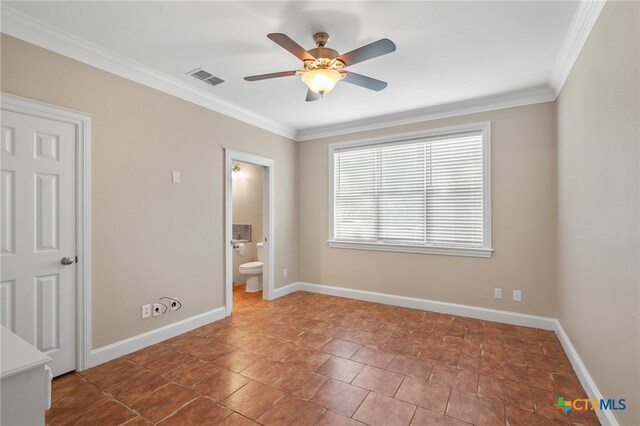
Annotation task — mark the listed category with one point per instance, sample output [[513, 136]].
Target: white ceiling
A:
[[447, 52]]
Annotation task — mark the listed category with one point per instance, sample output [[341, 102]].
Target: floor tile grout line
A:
[[90, 407], [128, 408], [360, 405], [413, 415]]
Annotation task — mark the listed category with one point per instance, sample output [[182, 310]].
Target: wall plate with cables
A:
[[172, 303], [158, 309]]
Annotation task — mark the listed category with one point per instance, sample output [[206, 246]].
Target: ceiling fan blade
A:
[[272, 75], [364, 81], [285, 42], [370, 51], [312, 96]]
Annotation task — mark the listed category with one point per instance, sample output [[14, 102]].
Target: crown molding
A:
[[36, 32], [488, 103], [583, 22]]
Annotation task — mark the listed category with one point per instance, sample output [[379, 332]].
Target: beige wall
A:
[[152, 238], [523, 209], [598, 223], [247, 209]]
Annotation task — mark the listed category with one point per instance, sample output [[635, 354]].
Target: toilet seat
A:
[[251, 267]]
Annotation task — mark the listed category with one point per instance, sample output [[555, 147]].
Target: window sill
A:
[[445, 251]]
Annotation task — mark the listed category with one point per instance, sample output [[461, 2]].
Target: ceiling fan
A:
[[324, 67]]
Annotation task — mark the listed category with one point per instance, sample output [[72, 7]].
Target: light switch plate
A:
[[146, 311], [517, 296], [175, 177]]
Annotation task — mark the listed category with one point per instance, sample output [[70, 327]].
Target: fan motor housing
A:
[[326, 58], [323, 53]]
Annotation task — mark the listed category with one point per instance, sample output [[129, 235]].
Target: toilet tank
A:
[[259, 250]]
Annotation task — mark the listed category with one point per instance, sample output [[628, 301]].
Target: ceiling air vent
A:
[[206, 77]]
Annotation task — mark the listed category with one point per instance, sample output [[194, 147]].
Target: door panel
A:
[[37, 191], [47, 234], [47, 318], [7, 185], [7, 311]]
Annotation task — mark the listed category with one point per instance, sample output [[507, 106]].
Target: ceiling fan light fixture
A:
[[321, 81], [324, 67]]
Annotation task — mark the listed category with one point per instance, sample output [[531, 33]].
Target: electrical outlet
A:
[[498, 293], [146, 311], [174, 305], [285, 273], [517, 296], [157, 309]]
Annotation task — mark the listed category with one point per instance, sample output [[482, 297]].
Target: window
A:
[[422, 192]]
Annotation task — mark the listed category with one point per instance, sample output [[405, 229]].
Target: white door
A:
[[38, 234]]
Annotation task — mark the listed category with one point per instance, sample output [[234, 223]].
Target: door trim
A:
[[82, 122], [268, 216]]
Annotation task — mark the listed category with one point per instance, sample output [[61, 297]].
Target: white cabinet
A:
[[25, 381]]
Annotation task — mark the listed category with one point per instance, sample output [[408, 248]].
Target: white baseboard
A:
[[514, 318], [486, 314], [141, 341], [605, 417], [132, 344], [283, 291]]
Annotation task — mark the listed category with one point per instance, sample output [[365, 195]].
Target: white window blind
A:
[[428, 192]]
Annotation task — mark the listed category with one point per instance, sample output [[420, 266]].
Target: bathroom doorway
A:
[[248, 227]]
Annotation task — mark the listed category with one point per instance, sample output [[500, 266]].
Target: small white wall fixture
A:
[[82, 123], [268, 180]]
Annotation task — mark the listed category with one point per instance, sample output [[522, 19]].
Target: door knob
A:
[[66, 261]]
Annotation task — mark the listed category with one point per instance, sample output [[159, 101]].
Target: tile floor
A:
[[309, 359]]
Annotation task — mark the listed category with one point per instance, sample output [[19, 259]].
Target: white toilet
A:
[[253, 272]]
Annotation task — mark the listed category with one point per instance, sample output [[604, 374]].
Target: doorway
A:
[[45, 253], [247, 235]]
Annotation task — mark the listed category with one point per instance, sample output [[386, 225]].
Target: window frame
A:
[[487, 248]]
